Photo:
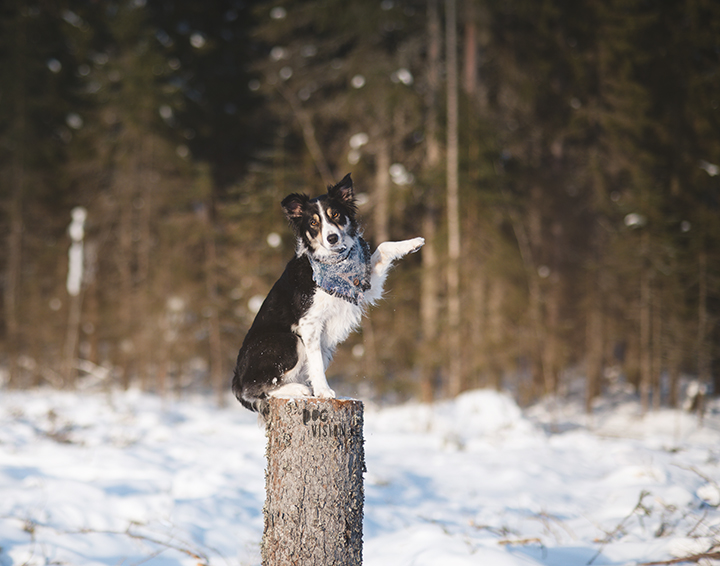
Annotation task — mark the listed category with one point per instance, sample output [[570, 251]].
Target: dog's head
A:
[[325, 225]]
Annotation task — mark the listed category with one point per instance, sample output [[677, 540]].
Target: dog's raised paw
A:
[[418, 243]]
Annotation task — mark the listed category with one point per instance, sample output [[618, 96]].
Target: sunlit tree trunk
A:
[[15, 213], [429, 305], [453, 206]]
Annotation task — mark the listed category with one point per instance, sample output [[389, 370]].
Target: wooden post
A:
[[314, 483]]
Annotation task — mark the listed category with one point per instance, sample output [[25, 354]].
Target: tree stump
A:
[[314, 483]]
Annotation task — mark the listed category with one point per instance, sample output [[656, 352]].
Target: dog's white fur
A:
[[330, 320]]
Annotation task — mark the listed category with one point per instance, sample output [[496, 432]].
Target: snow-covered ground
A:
[[128, 478]]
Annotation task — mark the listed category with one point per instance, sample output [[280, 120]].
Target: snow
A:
[[90, 478]]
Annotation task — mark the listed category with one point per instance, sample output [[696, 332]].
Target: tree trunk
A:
[[496, 332], [470, 59], [703, 344], [453, 207], [478, 326], [594, 348], [429, 308], [674, 361], [552, 353], [657, 350], [526, 246], [125, 258], [217, 377], [645, 351], [14, 212], [147, 178], [433, 78], [381, 216], [72, 336], [314, 483], [429, 304], [308, 132], [594, 331]]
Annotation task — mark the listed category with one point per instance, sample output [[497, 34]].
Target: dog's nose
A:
[[332, 239]]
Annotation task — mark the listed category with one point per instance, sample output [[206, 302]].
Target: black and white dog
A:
[[316, 303]]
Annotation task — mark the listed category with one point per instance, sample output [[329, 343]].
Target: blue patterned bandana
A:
[[346, 276]]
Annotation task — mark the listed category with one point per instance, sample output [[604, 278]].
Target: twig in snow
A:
[[546, 519], [692, 558], [498, 532], [520, 542], [700, 522], [31, 526], [621, 525], [696, 471], [182, 547]]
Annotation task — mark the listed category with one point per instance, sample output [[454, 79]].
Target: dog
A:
[[318, 301]]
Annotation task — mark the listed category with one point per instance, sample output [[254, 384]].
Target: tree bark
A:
[[314, 484]]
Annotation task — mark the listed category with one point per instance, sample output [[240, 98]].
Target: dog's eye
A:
[[314, 223], [334, 215]]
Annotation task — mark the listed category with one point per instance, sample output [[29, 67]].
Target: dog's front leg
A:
[[382, 260], [310, 334], [316, 373]]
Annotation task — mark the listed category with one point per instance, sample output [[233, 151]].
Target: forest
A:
[[560, 157]]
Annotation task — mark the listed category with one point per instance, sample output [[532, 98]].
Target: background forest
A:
[[561, 158]]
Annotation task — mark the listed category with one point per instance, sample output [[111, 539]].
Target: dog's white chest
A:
[[329, 320]]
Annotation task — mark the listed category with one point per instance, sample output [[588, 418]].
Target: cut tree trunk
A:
[[314, 483]]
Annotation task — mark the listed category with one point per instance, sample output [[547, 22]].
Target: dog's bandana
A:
[[346, 276]]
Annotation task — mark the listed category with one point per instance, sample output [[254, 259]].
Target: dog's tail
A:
[[258, 405]]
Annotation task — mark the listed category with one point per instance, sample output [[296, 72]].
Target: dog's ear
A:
[[343, 191], [293, 205]]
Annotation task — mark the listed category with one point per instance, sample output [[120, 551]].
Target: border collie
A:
[[316, 303]]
